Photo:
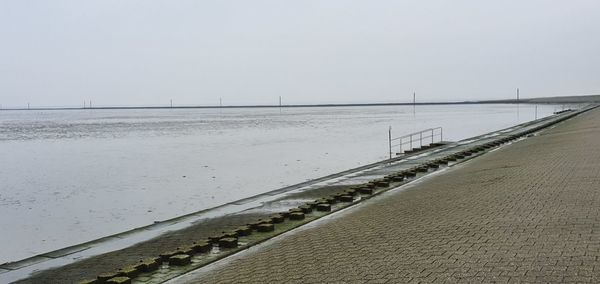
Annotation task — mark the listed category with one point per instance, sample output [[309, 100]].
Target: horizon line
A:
[[540, 100], [506, 101]]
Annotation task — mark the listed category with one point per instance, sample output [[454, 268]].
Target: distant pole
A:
[[517, 95], [390, 140], [220, 102], [535, 111], [414, 104], [279, 101], [28, 106], [171, 103]]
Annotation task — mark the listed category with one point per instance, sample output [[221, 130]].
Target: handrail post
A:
[[421, 139], [432, 136], [401, 146]]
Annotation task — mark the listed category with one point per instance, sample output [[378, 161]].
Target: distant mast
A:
[[414, 103], [517, 95]]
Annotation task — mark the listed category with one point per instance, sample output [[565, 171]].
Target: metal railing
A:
[[422, 138]]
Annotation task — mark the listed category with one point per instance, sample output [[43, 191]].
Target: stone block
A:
[[265, 228], [298, 215], [151, 264], [203, 246], [228, 243], [365, 190], [276, 219], [324, 207], [346, 198], [305, 209], [180, 260]]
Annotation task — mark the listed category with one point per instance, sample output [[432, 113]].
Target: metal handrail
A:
[[411, 139]]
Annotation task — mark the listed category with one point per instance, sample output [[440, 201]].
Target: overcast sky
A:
[[60, 53]]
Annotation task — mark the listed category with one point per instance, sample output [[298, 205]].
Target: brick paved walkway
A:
[[527, 212]]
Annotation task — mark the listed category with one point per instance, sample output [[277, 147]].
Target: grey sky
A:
[[146, 52]]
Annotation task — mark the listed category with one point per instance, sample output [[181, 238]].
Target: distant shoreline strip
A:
[[298, 105]]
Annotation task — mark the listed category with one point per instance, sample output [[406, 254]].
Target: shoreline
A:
[[522, 101]]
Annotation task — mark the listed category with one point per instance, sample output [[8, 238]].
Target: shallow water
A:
[[76, 175]]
